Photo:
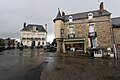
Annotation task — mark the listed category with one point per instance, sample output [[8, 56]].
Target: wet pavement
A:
[[35, 64], [81, 68], [17, 64]]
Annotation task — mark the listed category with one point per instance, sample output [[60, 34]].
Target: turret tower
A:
[[59, 24]]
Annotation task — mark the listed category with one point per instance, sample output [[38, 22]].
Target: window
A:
[[91, 27], [39, 38], [31, 38], [34, 28], [62, 32], [93, 42], [71, 35], [90, 16], [71, 29], [70, 18], [43, 43], [43, 38], [23, 38]]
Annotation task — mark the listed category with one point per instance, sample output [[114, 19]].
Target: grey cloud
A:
[[14, 12]]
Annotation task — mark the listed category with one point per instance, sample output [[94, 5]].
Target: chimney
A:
[[101, 7], [46, 27], [24, 24], [63, 13]]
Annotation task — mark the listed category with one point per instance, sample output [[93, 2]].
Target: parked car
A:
[[49, 48]]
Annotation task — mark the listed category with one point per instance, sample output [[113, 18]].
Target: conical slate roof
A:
[[58, 17]]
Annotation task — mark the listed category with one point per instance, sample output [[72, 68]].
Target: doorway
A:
[[33, 43]]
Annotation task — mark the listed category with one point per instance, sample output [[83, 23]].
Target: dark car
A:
[[49, 48]]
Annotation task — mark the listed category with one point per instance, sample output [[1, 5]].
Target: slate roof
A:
[[84, 15], [59, 16], [29, 27], [116, 22]]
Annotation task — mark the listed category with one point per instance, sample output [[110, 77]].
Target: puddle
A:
[[35, 73]]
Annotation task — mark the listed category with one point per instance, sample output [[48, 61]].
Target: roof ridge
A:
[[115, 17], [29, 27], [36, 24], [83, 12]]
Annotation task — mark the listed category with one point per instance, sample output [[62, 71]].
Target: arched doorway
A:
[[33, 43], [43, 43], [38, 43]]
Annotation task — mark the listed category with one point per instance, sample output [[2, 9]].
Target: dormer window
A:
[[70, 18], [90, 16], [34, 28]]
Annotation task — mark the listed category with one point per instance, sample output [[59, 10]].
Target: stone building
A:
[[116, 34], [9, 42], [92, 29], [116, 30], [33, 35]]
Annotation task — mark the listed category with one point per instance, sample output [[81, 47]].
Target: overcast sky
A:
[[14, 12]]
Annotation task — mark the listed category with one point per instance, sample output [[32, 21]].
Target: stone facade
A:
[[28, 37], [102, 27], [116, 29], [116, 32], [58, 29], [104, 31], [33, 35]]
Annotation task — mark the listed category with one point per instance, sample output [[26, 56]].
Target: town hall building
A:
[[33, 35]]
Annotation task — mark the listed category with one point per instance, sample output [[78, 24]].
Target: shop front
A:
[[74, 45]]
